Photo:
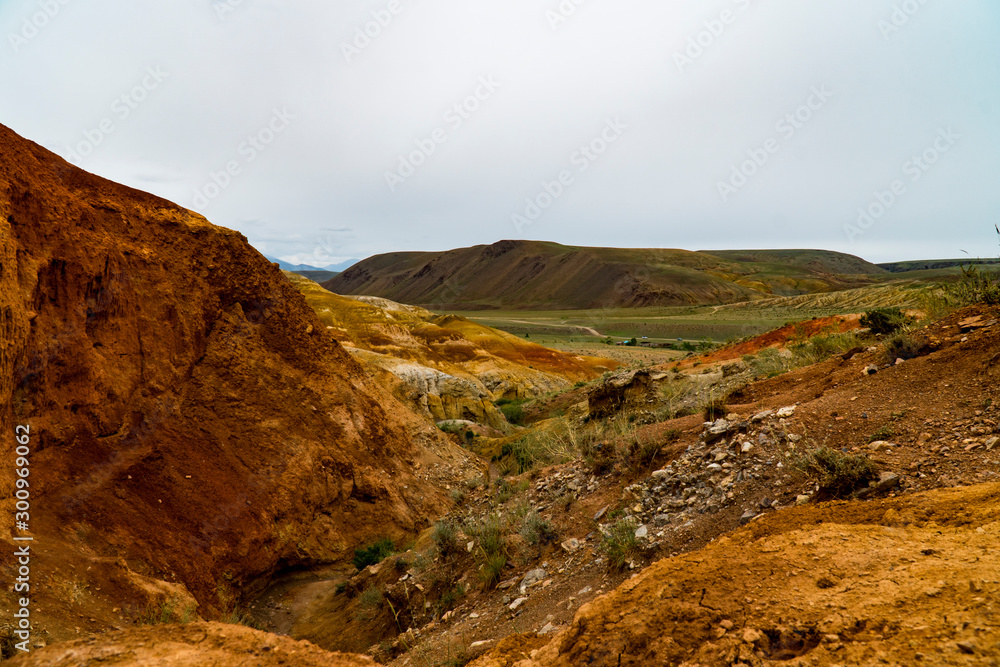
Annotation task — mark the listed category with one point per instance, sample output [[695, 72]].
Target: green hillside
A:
[[549, 276]]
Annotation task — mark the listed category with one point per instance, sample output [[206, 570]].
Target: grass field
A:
[[584, 329]]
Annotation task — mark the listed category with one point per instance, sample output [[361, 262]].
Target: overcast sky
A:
[[865, 126]]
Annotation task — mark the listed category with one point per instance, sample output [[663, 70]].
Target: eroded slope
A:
[[194, 426], [452, 368]]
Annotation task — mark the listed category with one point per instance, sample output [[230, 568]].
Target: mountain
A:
[[450, 367], [299, 268], [192, 427], [548, 276]]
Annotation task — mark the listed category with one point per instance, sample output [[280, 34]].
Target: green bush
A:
[[976, 286], [536, 530], [883, 320], [768, 363], [620, 544], [491, 535], [373, 554], [513, 410], [840, 474], [445, 536]]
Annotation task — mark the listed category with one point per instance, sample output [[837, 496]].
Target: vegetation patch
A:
[[369, 603], [536, 530], [167, 611], [620, 544], [445, 536], [490, 533], [902, 346], [840, 474], [373, 554], [513, 410], [884, 320]]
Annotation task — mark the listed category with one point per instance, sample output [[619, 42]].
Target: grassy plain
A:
[[697, 323], [584, 331]]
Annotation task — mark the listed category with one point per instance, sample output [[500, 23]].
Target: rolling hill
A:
[[936, 264], [549, 276]]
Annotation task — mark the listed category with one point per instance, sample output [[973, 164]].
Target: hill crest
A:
[[543, 275]]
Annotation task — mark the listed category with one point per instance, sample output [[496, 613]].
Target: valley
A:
[[797, 462]]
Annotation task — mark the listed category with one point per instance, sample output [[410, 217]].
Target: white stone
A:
[[516, 604], [786, 412], [572, 545], [533, 577]]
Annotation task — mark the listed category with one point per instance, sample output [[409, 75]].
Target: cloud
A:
[[317, 188]]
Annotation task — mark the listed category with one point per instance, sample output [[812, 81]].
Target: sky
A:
[[331, 130]]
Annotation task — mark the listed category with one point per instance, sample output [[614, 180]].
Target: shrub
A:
[[883, 320], [491, 535], [840, 474], [902, 346], [369, 602], [243, 617], [976, 286], [492, 569], [445, 536], [513, 410], [536, 530], [373, 554], [884, 433], [715, 409], [620, 544], [768, 362], [168, 611], [452, 596]]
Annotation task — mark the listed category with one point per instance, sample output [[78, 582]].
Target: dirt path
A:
[[288, 597]]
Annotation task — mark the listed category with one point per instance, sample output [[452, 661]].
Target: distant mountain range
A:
[[548, 276], [298, 268]]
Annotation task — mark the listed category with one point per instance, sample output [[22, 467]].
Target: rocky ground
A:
[[716, 488]]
